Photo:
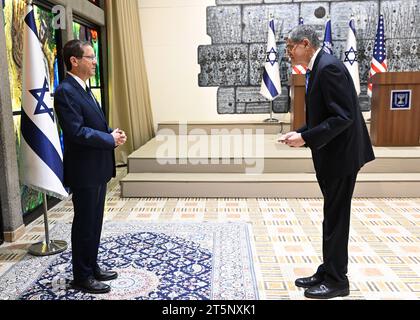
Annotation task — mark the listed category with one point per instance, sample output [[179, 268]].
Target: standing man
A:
[[89, 163], [336, 133]]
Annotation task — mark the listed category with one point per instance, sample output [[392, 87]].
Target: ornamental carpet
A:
[[155, 261]]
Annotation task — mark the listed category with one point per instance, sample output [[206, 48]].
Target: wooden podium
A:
[[297, 96], [395, 117]]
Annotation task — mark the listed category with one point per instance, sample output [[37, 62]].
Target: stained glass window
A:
[[14, 12]]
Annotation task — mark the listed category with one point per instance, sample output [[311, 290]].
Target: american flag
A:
[[299, 69], [379, 63]]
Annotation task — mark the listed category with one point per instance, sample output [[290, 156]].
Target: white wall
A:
[[172, 30]]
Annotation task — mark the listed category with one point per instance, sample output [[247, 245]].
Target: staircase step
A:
[[180, 154], [199, 128], [279, 185], [229, 127]]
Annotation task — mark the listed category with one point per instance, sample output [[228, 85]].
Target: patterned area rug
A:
[[155, 261]]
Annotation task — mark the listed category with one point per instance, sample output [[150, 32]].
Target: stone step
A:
[[278, 185], [200, 128], [253, 154], [229, 127]]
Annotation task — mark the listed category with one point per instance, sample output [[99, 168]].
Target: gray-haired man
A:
[[336, 133]]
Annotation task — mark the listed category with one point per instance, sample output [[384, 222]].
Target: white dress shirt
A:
[[311, 63]]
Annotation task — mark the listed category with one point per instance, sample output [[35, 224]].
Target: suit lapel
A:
[[314, 70], [86, 96]]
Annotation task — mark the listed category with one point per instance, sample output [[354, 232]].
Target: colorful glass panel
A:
[[85, 33]]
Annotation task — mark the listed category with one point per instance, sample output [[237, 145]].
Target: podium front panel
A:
[[395, 118]]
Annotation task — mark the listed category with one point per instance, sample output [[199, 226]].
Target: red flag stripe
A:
[[380, 67], [299, 69]]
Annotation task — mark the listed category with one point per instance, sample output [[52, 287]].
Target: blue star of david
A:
[[270, 56], [351, 56], [39, 95]]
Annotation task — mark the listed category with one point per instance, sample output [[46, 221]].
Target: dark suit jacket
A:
[[335, 129], [89, 159]]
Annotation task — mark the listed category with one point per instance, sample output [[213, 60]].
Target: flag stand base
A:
[[42, 249], [47, 247], [271, 119]]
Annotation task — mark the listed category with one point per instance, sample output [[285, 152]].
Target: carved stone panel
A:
[[223, 65], [365, 14], [224, 24], [315, 14], [401, 18], [241, 100], [223, 2], [255, 21], [277, 1], [403, 55], [249, 100], [226, 100]]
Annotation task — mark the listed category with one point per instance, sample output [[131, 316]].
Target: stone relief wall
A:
[[238, 30]]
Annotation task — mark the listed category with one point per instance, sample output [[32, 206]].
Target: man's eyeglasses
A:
[[291, 47], [91, 58]]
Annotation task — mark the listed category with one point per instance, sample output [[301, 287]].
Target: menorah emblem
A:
[[401, 99]]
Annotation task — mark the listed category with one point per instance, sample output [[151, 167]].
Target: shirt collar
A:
[[311, 63], [79, 81]]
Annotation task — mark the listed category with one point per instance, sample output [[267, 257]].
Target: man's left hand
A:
[[295, 140], [123, 138]]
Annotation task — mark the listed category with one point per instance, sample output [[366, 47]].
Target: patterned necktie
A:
[[307, 76]]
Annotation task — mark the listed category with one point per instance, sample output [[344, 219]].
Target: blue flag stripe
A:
[[272, 26], [352, 26], [30, 21], [269, 84], [41, 145]]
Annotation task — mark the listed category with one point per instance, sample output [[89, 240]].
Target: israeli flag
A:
[[351, 55], [41, 156], [270, 84], [328, 45]]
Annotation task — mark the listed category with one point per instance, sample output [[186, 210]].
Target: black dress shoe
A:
[[103, 275], [309, 281], [325, 290], [91, 285]]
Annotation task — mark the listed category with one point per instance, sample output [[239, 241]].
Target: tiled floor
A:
[[384, 243]]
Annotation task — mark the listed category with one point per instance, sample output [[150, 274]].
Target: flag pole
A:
[[50, 149], [47, 247], [271, 119]]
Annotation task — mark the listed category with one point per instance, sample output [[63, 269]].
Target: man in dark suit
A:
[[336, 133], [89, 163]]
